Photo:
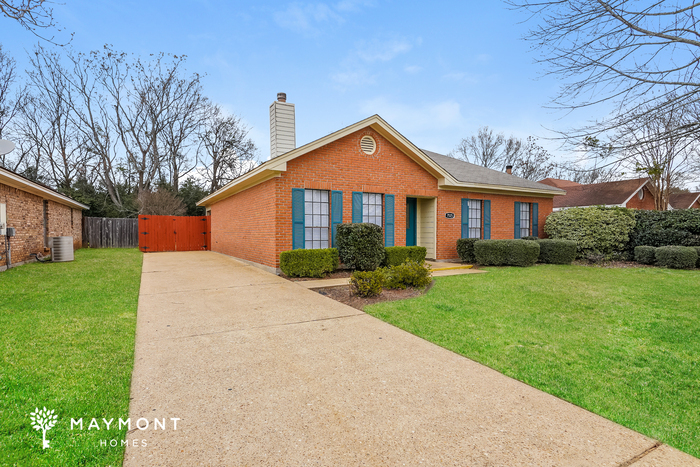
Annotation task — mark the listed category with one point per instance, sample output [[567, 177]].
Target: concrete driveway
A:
[[262, 371]]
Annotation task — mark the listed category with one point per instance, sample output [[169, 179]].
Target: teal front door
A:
[[411, 211]]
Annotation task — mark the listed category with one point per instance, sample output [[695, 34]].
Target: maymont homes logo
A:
[[45, 419]]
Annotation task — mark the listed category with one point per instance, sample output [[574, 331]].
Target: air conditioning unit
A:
[[61, 249]]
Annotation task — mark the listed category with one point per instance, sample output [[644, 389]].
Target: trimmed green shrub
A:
[[596, 230], [557, 251], [697, 248], [676, 257], [367, 283], [465, 249], [309, 263], [645, 254], [506, 252], [360, 246], [395, 255], [409, 274], [663, 228], [530, 237]]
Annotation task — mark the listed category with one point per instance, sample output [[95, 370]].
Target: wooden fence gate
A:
[[107, 232], [174, 233]]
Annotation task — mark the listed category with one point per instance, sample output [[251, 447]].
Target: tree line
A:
[[121, 133]]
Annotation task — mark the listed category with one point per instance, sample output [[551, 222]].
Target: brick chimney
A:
[[509, 169], [282, 126]]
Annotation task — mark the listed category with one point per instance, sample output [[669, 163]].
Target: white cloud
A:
[[383, 51], [413, 69], [415, 118], [353, 78], [305, 17]]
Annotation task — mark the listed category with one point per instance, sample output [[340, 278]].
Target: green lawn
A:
[[623, 343], [67, 344]]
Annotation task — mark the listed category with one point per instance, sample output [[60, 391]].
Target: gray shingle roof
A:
[[471, 173]]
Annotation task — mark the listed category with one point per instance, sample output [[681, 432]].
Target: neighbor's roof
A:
[[683, 200], [467, 172], [559, 183], [10, 178], [487, 180], [605, 194]]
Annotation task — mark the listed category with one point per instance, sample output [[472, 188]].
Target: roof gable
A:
[[683, 200], [597, 194], [452, 174]]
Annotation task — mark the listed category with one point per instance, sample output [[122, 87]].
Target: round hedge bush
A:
[[676, 257], [465, 249], [557, 251], [645, 254], [360, 246]]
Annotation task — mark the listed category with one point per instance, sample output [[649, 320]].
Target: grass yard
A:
[[623, 343], [67, 345]]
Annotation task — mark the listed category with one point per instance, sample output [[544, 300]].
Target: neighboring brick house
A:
[[684, 201], [633, 194], [36, 212], [367, 172]]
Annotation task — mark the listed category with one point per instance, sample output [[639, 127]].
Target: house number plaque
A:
[[450, 215]]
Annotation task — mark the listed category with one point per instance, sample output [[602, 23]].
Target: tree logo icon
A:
[[43, 420]]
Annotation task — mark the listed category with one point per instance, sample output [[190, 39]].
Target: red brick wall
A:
[[243, 225], [696, 205], [647, 203], [25, 212]]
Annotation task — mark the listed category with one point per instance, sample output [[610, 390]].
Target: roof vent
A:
[[368, 145]]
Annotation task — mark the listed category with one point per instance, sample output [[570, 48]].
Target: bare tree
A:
[[227, 150], [629, 52], [488, 149], [12, 96], [656, 149], [532, 161], [161, 202], [33, 15]]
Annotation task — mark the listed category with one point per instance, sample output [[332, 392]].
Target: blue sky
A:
[[436, 71]]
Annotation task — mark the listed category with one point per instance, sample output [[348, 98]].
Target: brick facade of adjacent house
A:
[[25, 213], [646, 203], [256, 224]]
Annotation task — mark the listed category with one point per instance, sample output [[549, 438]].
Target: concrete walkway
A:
[[261, 371]]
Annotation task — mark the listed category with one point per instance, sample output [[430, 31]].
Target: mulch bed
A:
[[343, 295]]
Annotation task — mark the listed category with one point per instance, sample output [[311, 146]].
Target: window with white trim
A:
[[524, 220], [474, 218], [372, 208], [317, 219]]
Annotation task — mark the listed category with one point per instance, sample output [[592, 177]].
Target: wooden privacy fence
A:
[[106, 232], [174, 233]]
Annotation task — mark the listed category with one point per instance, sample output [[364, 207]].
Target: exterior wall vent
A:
[[61, 249], [282, 126], [368, 145]]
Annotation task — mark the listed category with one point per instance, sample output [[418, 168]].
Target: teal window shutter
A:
[[487, 219], [388, 220], [465, 218], [535, 209], [356, 207], [298, 240], [336, 212], [517, 220]]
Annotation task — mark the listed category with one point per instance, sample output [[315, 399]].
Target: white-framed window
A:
[[372, 208], [524, 219], [317, 219], [474, 218]]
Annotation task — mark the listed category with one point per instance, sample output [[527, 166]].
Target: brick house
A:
[[367, 172], [36, 212], [633, 194], [684, 200]]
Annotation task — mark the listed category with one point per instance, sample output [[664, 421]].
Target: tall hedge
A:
[[360, 246], [596, 230], [465, 249], [664, 228]]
